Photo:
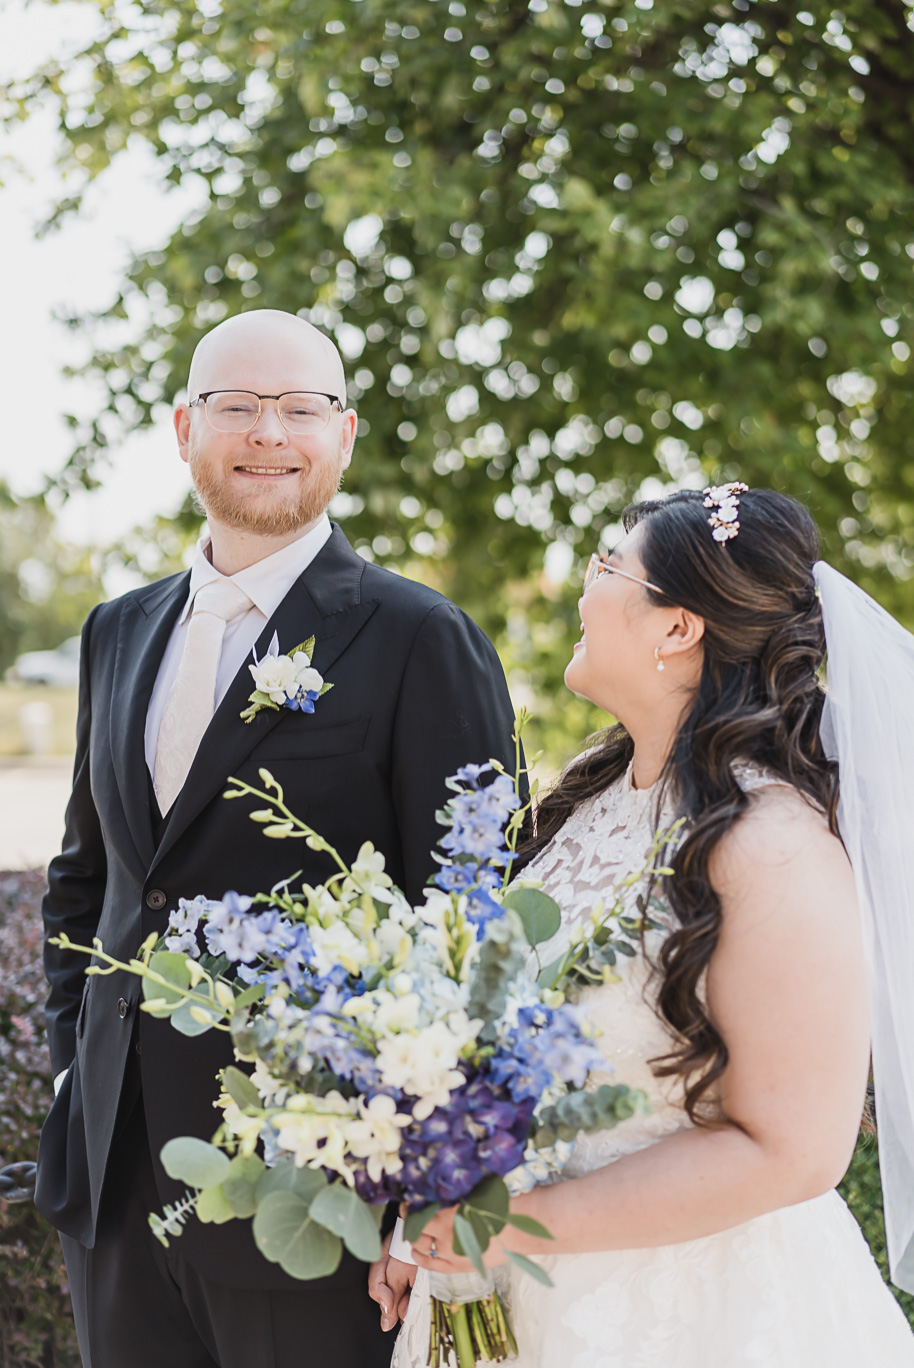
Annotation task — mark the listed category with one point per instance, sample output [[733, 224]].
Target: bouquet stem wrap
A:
[[470, 1319]]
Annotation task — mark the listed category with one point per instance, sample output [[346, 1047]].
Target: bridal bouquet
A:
[[388, 1052]]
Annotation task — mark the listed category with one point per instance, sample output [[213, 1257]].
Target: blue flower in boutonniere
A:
[[285, 681]]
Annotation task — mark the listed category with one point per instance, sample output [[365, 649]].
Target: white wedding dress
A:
[[797, 1288]]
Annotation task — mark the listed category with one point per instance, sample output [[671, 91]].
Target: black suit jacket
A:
[[418, 691]]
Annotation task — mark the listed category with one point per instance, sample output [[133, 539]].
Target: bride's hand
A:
[[434, 1249]]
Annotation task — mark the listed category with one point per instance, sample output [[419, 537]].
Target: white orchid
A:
[[273, 1092], [424, 1064], [393, 943], [368, 869], [375, 1136], [313, 1130], [335, 944], [395, 1014]]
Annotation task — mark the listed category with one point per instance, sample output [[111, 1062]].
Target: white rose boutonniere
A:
[[285, 681]]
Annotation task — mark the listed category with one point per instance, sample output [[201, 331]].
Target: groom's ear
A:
[[182, 417]]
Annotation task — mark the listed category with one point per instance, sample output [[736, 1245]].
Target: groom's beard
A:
[[259, 509]]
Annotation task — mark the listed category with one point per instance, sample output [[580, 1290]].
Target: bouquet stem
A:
[[473, 1332]]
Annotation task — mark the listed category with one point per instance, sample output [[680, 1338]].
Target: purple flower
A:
[[501, 1153]]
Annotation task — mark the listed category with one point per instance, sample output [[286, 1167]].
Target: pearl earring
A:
[[660, 665]]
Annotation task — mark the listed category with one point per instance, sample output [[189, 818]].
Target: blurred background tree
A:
[[573, 250], [47, 587]]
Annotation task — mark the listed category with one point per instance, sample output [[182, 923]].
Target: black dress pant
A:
[[139, 1305]]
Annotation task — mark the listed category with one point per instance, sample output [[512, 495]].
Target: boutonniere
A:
[[285, 681]]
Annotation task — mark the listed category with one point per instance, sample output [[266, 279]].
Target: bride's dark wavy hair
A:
[[758, 700]]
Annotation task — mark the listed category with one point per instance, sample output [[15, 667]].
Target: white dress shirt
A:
[[266, 584]]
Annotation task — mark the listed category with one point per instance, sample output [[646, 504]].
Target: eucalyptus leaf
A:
[[173, 968], [547, 975], [530, 1227], [416, 1221], [195, 1162], [214, 1207], [490, 1199], [188, 1025], [249, 996], [240, 1088], [341, 1210], [305, 1183], [539, 913], [466, 1243], [285, 1234], [528, 1266], [240, 1187]]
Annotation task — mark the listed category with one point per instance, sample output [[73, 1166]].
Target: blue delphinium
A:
[[475, 842], [303, 701], [241, 938], [546, 1046], [181, 933]]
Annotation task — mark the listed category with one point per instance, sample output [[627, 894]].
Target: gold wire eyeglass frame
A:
[[202, 398], [600, 565]]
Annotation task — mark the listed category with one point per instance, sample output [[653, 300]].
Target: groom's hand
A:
[[389, 1284]]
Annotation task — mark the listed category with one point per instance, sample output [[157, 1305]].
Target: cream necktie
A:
[[192, 699]]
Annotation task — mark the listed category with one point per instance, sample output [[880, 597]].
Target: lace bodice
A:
[[608, 837]]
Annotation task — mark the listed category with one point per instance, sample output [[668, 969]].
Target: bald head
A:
[[269, 352]]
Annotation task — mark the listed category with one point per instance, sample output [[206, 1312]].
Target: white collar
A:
[[267, 581]]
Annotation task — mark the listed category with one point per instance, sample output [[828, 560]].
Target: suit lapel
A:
[[325, 602], [143, 632]]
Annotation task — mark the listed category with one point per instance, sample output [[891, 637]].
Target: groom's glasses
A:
[[303, 413], [601, 565]]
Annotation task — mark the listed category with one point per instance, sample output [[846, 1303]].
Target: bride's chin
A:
[[575, 676]]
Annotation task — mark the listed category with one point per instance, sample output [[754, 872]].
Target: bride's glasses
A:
[[601, 565], [239, 410]]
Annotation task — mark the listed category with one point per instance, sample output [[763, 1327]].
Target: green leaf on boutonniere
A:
[[306, 646], [325, 688], [258, 700]]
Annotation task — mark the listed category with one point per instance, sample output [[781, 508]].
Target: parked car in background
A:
[[59, 667]]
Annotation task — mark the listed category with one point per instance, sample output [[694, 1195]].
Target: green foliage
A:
[[341, 1210], [588, 1112], [286, 1234], [862, 1191], [46, 588], [193, 1161], [36, 1323], [539, 913], [240, 1184], [496, 210], [502, 956]]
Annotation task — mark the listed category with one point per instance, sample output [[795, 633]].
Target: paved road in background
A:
[[33, 797]]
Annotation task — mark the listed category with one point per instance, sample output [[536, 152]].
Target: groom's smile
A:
[[271, 480]]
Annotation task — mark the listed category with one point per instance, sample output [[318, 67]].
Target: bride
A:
[[706, 1233]]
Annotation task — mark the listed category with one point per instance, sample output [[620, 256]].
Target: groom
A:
[[417, 691]]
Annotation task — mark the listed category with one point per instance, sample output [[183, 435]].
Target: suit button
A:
[[122, 1008], [155, 899]]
